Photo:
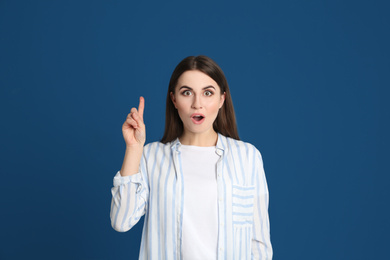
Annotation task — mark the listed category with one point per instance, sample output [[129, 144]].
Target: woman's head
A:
[[225, 122]]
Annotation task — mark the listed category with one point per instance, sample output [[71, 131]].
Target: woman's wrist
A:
[[135, 147], [132, 160]]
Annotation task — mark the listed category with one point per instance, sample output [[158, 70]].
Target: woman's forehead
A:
[[195, 79]]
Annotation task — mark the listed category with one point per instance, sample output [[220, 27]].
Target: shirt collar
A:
[[175, 144], [220, 148]]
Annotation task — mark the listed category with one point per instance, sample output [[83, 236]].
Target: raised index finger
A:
[[141, 107]]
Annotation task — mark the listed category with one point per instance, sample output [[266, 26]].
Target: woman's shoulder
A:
[[158, 145], [242, 149], [156, 151], [154, 145], [236, 144]]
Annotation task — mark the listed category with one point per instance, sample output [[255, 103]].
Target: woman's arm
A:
[[261, 242], [130, 193]]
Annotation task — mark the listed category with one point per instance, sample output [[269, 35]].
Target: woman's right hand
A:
[[133, 128]]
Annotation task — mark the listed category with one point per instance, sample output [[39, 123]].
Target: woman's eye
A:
[[208, 93], [186, 93]]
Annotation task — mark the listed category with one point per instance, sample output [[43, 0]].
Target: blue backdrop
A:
[[310, 84]]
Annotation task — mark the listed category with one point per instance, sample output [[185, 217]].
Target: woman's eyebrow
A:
[[187, 87]]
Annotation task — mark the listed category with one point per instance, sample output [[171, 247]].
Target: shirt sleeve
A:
[[129, 199], [261, 242]]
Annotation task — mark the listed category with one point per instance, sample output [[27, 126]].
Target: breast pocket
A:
[[243, 199]]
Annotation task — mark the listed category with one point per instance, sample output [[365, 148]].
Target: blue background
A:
[[310, 84]]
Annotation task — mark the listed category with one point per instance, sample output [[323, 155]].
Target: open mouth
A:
[[197, 118]]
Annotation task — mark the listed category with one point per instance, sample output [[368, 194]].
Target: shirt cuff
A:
[[122, 180]]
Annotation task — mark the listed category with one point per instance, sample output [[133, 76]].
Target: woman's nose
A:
[[196, 103]]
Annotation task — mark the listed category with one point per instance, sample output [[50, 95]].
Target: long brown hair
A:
[[225, 123]]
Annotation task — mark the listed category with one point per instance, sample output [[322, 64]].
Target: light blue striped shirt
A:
[[157, 191]]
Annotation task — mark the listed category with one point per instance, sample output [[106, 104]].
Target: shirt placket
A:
[[179, 204], [221, 208]]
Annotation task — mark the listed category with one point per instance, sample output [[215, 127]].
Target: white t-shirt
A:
[[200, 213]]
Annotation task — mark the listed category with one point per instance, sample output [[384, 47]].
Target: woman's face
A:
[[197, 99]]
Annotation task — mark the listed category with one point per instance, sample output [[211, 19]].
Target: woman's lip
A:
[[198, 122], [197, 114]]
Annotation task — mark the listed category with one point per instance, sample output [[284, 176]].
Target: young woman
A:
[[202, 191]]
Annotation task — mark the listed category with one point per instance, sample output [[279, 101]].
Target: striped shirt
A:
[[156, 191]]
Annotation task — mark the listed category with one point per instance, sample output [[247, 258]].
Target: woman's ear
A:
[[222, 100], [173, 99]]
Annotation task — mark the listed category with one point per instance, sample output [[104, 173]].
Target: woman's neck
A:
[[202, 139]]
